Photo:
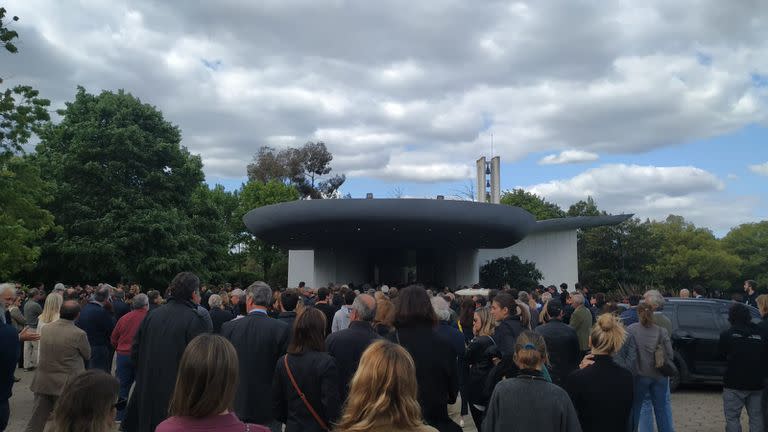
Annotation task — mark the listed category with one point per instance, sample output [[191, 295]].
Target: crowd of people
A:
[[347, 358]]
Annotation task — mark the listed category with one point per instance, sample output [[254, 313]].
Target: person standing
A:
[[289, 299], [563, 347], [341, 318], [581, 322], [348, 345], [87, 404], [18, 321], [305, 389], [506, 313], [745, 348], [219, 315], [50, 313], [32, 311], [122, 341], [98, 323], [750, 293], [65, 349], [259, 341], [323, 304], [155, 299], [9, 340], [480, 363], [157, 348]]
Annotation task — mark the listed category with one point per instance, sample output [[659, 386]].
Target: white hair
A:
[[547, 296], [7, 286], [59, 287], [578, 299], [214, 301], [441, 308], [654, 298]]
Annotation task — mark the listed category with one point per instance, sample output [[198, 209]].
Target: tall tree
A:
[[750, 243], [540, 208], [510, 270]]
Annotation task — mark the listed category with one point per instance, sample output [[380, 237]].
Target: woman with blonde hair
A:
[[394, 406], [87, 404], [603, 392], [50, 313], [384, 320], [480, 361]]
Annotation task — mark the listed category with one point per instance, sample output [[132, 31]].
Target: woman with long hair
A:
[[480, 362], [87, 404], [436, 362], [305, 389], [538, 405], [603, 392], [466, 318], [649, 382], [393, 406], [50, 313], [205, 389], [507, 314]]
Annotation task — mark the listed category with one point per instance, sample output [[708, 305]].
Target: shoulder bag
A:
[[303, 397], [664, 365]]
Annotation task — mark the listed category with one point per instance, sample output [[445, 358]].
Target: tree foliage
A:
[[510, 270], [750, 243], [304, 168], [540, 208]]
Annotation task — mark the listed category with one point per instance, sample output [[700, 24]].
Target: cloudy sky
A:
[[651, 107]]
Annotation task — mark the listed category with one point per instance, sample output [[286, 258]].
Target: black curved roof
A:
[[384, 223], [577, 222]]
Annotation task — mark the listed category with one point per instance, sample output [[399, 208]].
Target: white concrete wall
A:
[[301, 267], [555, 255]]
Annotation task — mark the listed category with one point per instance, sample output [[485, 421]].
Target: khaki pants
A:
[[30, 354], [41, 410]]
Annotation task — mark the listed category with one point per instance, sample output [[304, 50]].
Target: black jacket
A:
[[120, 308], [317, 376], [602, 395], [98, 323], [288, 318], [259, 341], [157, 348], [9, 354], [219, 316], [347, 346], [436, 373], [562, 348], [479, 359], [506, 333], [328, 311], [744, 348]]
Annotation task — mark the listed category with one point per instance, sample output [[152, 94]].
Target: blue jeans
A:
[[646, 414], [125, 374], [657, 390], [100, 358]]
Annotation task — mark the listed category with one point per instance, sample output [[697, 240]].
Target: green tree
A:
[[540, 208], [510, 270], [126, 192], [750, 243], [584, 208]]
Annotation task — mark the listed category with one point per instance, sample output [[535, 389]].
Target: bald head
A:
[[363, 308], [70, 310]]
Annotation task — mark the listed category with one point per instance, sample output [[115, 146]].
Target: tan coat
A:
[[64, 349]]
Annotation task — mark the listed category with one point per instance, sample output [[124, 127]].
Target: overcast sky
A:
[[651, 107]]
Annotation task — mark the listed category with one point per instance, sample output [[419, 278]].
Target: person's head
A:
[[750, 286], [323, 293], [140, 301], [119, 294], [207, 379], [87, 403], [654, 298], [645, 314], [762, 304], [546, 296], [214, 301], [480, 301], [154, 297], [389, 369], [70, 294], [466, 312], [553, 310], [503, 306], [738, 315], [101, 295], [577, 300], [349, 297], [599, 299], [302, 285], [482, 322], [363, 309], [236, 296], [607, 336], [308, 332], [52, 308], [685, 293], [530, 351], [7, 294], [70, 310], [564, 287], [385, 313], [413, 308], [523, 297], [698, 290], [634, 300], [442, 308], [289, 299], [258, 295], [184, 286]]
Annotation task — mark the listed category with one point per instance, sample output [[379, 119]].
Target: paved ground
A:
[[696, 409]]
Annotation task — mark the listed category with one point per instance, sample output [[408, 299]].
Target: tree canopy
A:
[[510, 270], [540, 208]]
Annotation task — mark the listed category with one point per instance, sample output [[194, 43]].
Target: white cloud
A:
[[760, 169], [569, 157]]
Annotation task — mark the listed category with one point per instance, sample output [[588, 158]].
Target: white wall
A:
[[555, 255], [301, 267]]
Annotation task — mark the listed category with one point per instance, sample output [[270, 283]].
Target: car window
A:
[[696, 317], [723, 312]]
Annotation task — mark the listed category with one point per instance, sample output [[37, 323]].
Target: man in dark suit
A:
[[98, 323], [119, 306], [562, 343], [259, 341], [347, 345]]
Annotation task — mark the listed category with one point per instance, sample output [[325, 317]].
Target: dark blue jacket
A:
[[629, 316], [9, 355], [97, 323], [120, 308]]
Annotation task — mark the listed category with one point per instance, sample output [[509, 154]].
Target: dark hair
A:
[[207, 379], [153, 295], [70, 309], [414, 308], [645, 314], [634, 300], [505, 300], [564, 286], [739, 315], [482, 301], [302, 284], [322, 293], [599, 300], [308, 332], [467, 313], [184, 285], [752, 284], [289, 299], [101, 295], [86, 403], [349, 297], [698, 289]]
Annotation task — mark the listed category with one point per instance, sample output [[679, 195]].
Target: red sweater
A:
[[125, 330]]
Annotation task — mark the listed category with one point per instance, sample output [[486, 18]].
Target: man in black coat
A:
[[347, 345], [259, 341], [324, 304], [157, 348], [119, 306], [289, 299], [562, 343], [98, 323]]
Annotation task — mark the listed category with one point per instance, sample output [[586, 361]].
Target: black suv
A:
[[697, 324]]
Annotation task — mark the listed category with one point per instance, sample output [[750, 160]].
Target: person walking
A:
[[581, 322], [480, 362], [157, 349], [122, 341], [390, 370], [745, 347], [305, 389], [649, 381], [259, 341], [602, 393], [205, 389], [65, 350], [87, 403], [562, 343], [219, 315], [98, 323], [537, 405]]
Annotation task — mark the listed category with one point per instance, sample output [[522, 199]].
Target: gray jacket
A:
[[647, 338], [32, 312]]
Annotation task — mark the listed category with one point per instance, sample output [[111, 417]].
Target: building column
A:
[[301, 267]]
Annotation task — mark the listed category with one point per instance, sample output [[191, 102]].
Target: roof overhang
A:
[[578, 222]]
